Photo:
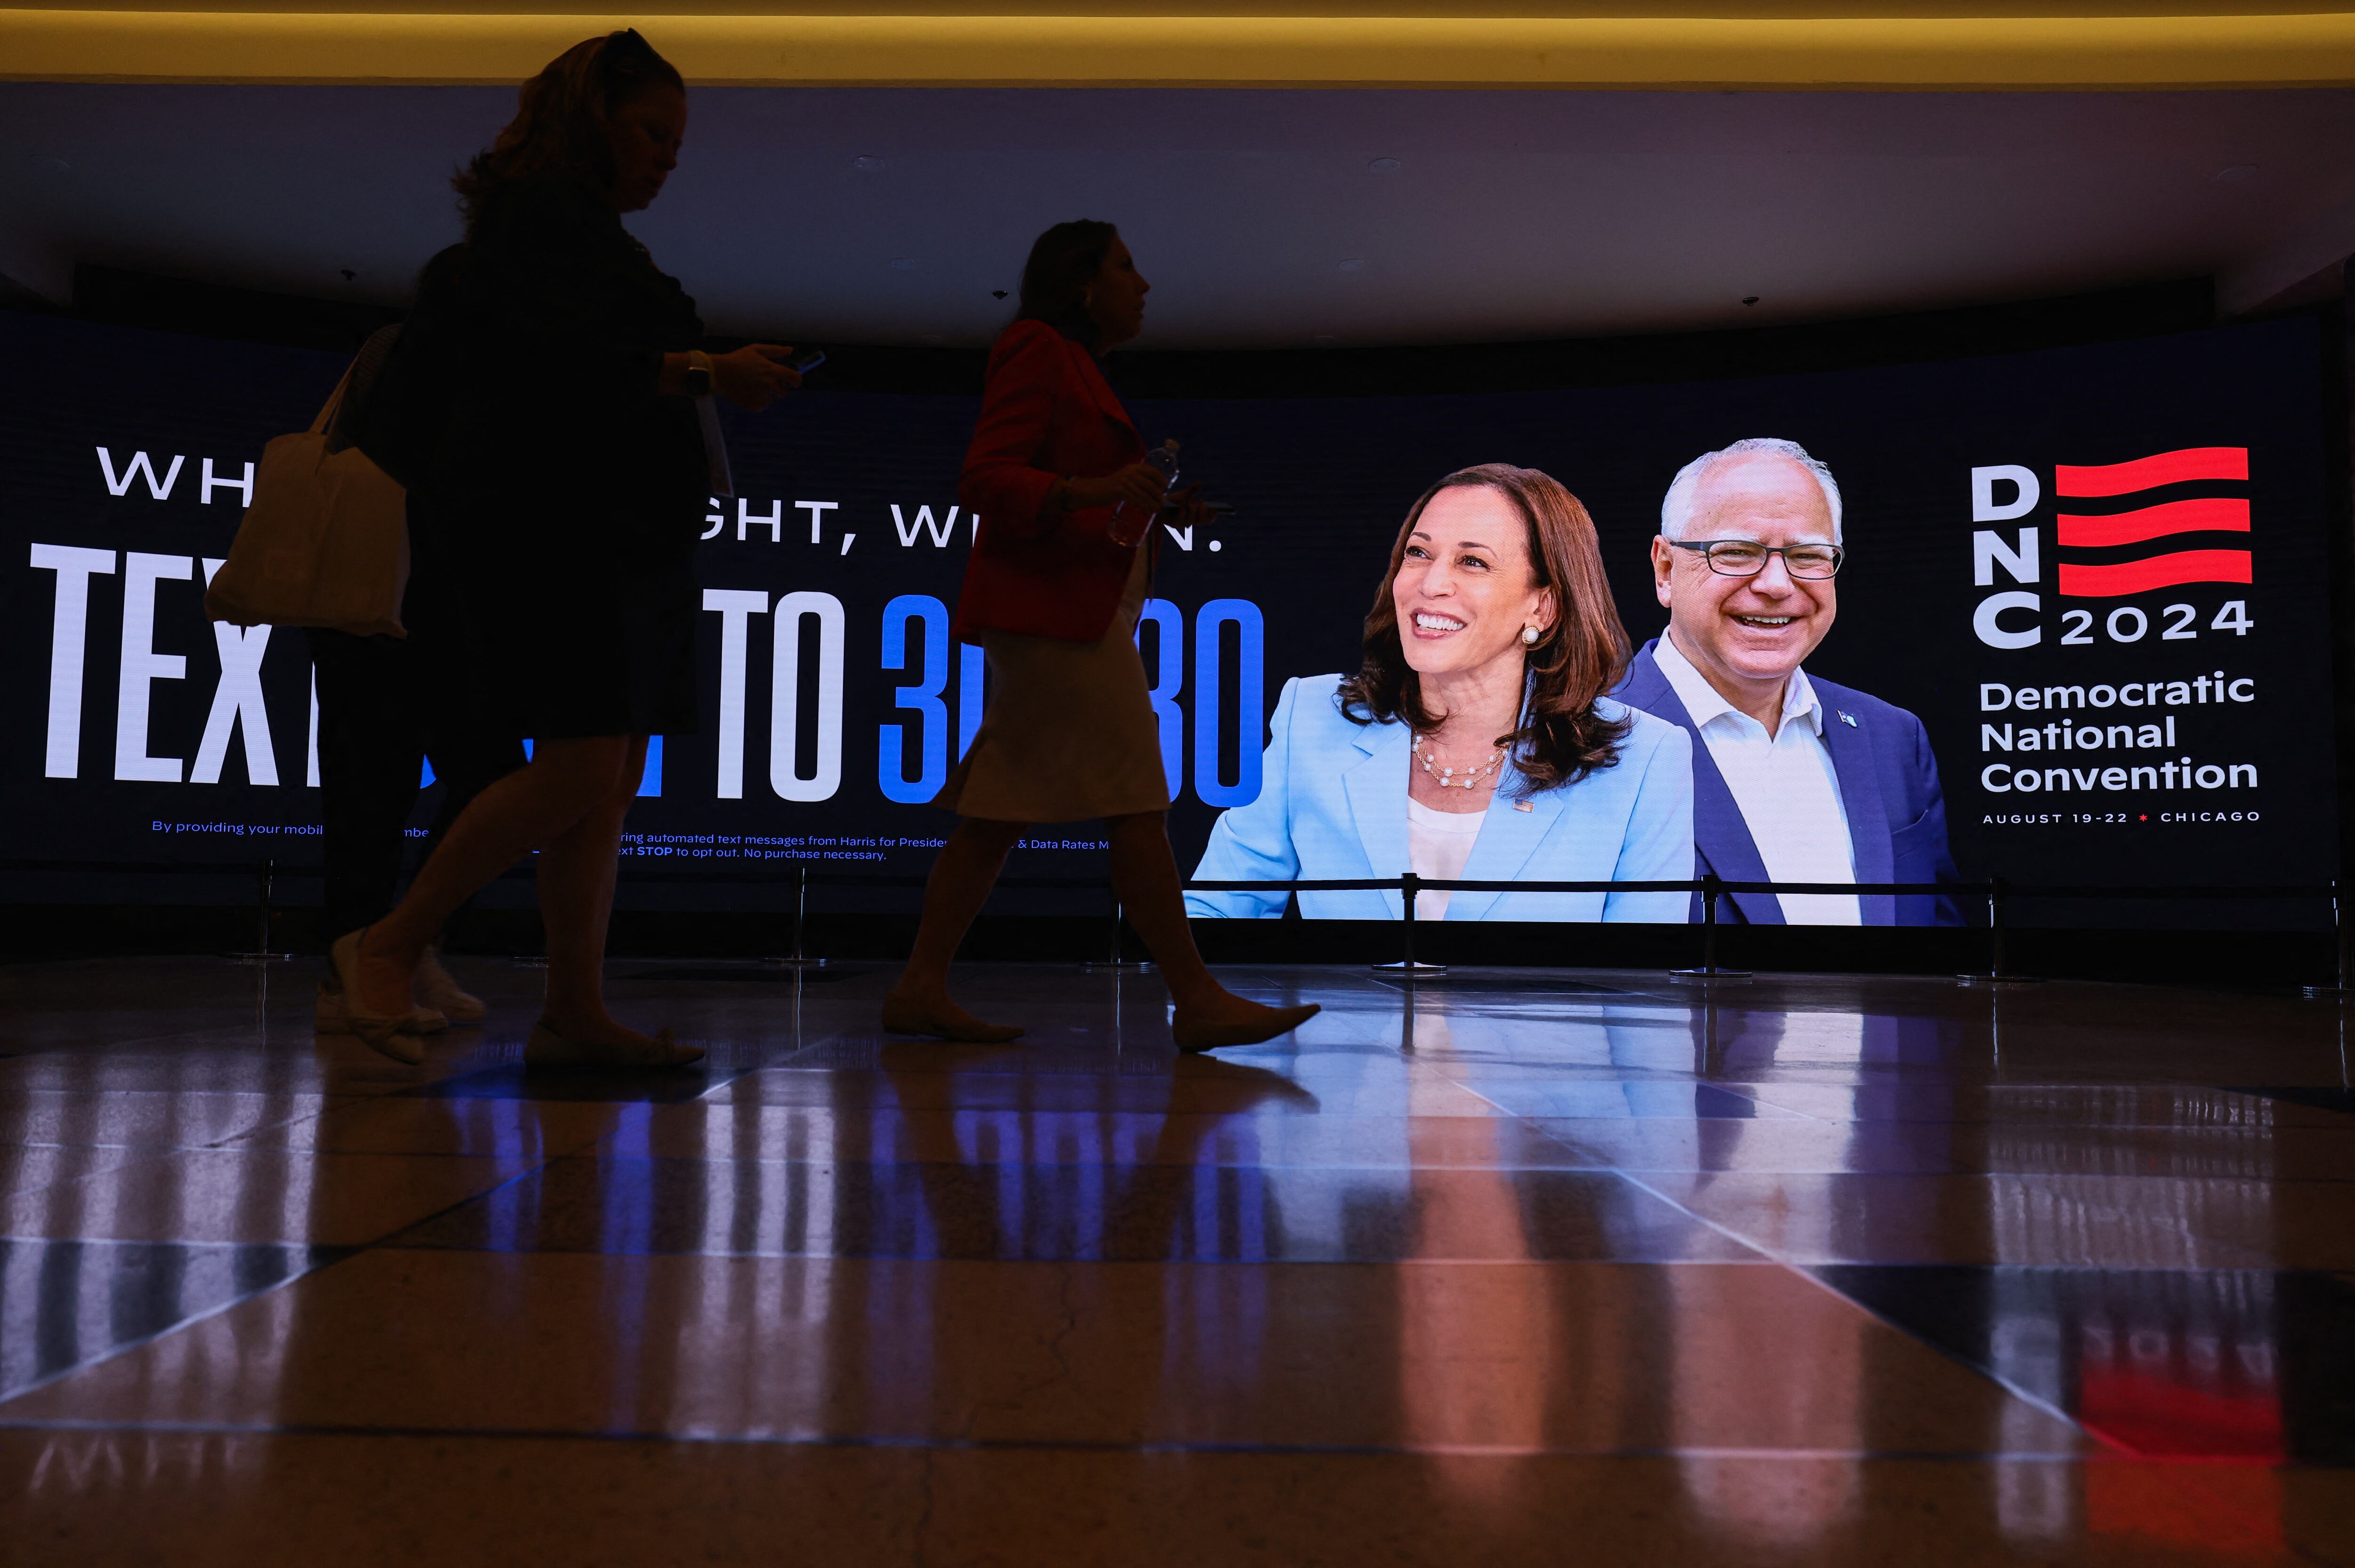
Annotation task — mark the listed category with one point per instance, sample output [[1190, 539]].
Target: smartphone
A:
[[805, 363]]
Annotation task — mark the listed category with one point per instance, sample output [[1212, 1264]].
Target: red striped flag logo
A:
[[2159, 522]]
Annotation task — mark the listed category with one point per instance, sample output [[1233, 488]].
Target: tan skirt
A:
[[1070, 731]]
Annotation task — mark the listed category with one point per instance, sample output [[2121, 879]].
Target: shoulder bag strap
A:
[[326, 420]]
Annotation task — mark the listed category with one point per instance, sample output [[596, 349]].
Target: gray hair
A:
[[1676, 506]]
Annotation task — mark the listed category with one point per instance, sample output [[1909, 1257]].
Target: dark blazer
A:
[[1888, 785], [558, 493], [548, 331], [1046, 411]]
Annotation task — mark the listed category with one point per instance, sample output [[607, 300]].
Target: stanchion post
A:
[[1997, 971], [1995, 928], [1113, 962], [265, 874], [1408, 885], [799, 960], [2341, 938], [1712, 888], [2339, 928]]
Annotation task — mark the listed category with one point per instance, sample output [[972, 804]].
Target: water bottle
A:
[[1131, 523]]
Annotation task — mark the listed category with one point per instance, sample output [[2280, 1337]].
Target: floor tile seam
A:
[[237, 1146], [320, 1114], [1363, 1118], [1507, 1167], [1371, 1117], [1050, 1444], [2270, 1271], [158, 1157], [10, 1238], [2027, 1396], [19, 1097], [2045, 1176], [393, 1245], [530, 1167], [1593, 1166], [2069, 1124], [342, 1254], [424, 1091], [140, 1157], [1472, 1085]]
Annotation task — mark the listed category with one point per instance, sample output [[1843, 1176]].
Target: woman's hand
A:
[[754, 376], [1140, 484], [1186, 508]]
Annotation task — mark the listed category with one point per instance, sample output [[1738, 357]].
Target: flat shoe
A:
[[901, 1017], [1193, 1033], [328, 1015], [401, 1037], [549, 1049], [442, 993]]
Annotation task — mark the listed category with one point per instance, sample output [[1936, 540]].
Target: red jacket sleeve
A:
[[1001, 481]]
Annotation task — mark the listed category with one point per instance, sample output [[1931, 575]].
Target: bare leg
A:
[[576, 903], [1145, 875], [531, 807], [963, 873]]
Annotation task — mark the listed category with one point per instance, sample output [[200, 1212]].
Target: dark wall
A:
[[212, 309]]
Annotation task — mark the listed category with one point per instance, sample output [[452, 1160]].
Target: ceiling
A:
[[1264, 218]]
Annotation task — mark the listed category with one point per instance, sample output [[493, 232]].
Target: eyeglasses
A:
[[1747, 558]]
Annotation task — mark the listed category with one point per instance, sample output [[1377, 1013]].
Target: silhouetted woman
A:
[[1053, 597], [554, 535]]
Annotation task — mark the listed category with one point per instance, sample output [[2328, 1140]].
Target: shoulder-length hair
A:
[[1582, 656], [1063, 261], [561, 116]]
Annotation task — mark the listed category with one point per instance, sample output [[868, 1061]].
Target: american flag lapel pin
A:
[[1523, 805], [1848, 719]]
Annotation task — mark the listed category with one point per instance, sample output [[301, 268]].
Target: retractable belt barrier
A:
[[1996, 890]]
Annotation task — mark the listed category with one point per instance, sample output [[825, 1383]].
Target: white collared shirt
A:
[[1785, 784]]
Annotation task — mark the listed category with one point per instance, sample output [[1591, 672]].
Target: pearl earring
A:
[[1528, 636]]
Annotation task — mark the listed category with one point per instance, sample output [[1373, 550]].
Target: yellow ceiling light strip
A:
[[1932, 53]]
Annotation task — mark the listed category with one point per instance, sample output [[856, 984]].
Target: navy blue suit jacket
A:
[[1888, 785]]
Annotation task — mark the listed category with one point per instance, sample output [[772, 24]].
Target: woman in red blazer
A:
[[1052, 597]]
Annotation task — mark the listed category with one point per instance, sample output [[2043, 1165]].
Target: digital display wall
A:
[[2098, 575]]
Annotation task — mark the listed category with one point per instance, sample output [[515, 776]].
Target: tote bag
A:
[[325, 542]]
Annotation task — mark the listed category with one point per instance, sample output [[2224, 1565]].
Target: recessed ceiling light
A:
[[1749, 299], [2233, 174], [1354, 265], [867, 162], [1383, 166], [903, 263]]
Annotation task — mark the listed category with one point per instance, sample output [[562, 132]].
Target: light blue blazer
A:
[[1332, 803]]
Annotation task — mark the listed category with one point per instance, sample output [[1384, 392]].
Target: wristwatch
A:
[[698, 373]]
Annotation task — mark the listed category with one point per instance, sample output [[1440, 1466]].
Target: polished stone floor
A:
[[1517, 1267]]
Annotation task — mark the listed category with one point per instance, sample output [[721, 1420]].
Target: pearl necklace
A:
[[1446, 776]]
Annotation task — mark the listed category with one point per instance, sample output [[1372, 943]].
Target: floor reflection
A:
[[2219, 1364], [1772, 1272], [66, 1303]]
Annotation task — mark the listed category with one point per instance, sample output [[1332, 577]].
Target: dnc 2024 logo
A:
[[2132, 528]]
